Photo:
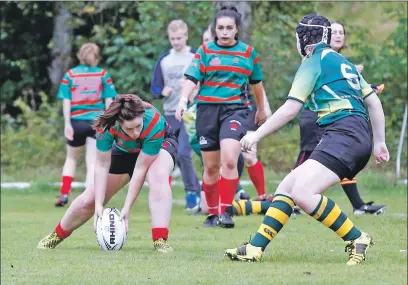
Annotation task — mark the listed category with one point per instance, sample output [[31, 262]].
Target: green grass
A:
[[305, 252]]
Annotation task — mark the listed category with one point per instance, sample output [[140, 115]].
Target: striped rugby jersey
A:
[[150, 140], [330, 85], [86, 87], [224, 72]]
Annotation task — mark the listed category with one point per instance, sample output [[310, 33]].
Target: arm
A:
[[66, 109], [281, 117], [108, 90], [102, 164], [108, 101], [376, 115], [157, 83], [259, 95]]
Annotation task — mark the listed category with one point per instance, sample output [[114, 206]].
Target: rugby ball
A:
[[110, 230]]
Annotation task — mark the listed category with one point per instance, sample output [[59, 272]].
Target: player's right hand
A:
[[381, 153], [69, 132], [249, 141], [98, 215]]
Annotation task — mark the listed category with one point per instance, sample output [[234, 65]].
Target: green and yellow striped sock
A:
[[248, 207], [329, 214], [275, 218]]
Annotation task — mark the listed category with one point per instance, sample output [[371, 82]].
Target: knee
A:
[[212, 169], [250, 159], [229, 164], [87, 201]]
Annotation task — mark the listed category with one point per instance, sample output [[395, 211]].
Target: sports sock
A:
[[227, 192], [257, 176], [160, 233], [212, 196], [351, 190], [329, 214], [61, 233], [248, 207], [275, 218], [66, 185]]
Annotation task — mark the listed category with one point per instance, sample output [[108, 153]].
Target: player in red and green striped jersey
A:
[[85, 91], [224, 67], [134, 143]]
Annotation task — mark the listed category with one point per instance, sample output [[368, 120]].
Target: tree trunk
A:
[[243, 7], [61, 49]]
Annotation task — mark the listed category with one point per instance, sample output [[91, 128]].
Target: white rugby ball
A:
[[110, 230]]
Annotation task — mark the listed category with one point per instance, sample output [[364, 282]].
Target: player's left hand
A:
[[268, 112], [249, 141], [260, 117], [124, 217], [181, 108], [381, 153]]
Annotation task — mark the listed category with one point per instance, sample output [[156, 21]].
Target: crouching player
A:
[[133, 143]]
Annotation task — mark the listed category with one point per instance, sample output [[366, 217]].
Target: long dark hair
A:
[[125, 107], [230, 12]]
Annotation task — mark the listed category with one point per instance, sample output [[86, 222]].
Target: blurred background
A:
[[39, 41]]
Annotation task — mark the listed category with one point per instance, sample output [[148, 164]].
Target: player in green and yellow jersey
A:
[[86, 90], [338, 93], [134, 143], [224, 67]]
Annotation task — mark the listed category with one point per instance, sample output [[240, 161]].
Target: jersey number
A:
[[352, 78]]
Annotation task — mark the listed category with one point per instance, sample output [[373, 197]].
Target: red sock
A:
[[212, 196], [61, 233], [160, 233], [256, 173], [66, 185], [228, 188], [170, 179]]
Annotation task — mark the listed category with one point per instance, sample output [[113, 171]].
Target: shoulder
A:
[[163, 56]]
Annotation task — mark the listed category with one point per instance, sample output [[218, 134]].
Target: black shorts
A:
[[251, 125], [310, 131], [216, 122], [345, 147], [82, 130], [124, 162]]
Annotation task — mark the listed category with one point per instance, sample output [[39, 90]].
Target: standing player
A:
[[310, 134], [167, 77], [338, 94], [224, 66], [85, 90], [133, 143]]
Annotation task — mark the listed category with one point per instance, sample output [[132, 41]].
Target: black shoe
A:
[[225, 221], [242, 195], [211, 221], [61, 201], [369, 208], [231, 211]]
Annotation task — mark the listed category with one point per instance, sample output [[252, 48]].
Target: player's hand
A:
[[69, 132], [359, 68], [268, 112], [146, 105], [260, 117], [181, 108], [381, 153], [97, 215], [167, 91], [249, 142], [124, 217]]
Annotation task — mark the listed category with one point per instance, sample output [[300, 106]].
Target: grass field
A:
[[305, 252]]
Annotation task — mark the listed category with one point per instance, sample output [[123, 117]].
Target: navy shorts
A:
[[251, 125], [345, 147], [216, 122], [82, 130], [124, 162]]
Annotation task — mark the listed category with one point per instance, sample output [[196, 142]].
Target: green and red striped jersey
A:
[[224, 72], [86, 87], [150, 140]]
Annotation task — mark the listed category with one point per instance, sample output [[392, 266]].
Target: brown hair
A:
[[89, 54], [125, 107], [345, 38]]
